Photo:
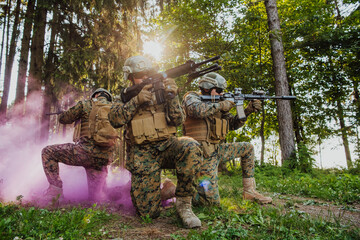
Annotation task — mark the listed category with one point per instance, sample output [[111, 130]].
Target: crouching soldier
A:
[[90, 150], [152, 144], [208, 123]]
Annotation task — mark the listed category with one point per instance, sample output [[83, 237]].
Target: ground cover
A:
[[317, 205]]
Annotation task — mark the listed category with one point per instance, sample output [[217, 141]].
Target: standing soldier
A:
[[85, 152], [152, 144], [208, 123]]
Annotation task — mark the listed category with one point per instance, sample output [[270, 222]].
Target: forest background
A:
[[54, 53], [60, 51]]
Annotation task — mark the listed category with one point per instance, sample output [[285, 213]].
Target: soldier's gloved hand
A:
[[254, 106], [226, 105], [170, 87], [144, 96]]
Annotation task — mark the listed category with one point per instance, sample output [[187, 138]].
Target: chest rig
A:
[[212, 129], [150, 125]]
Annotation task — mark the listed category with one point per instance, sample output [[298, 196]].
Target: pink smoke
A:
[[21, 171]]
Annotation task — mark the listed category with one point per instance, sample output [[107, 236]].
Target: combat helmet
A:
[[107, 93], [136, 64], [212, 80]]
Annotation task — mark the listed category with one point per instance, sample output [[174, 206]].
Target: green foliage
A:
[[146, 219], [340, 187], [302, 160], [36, 223]]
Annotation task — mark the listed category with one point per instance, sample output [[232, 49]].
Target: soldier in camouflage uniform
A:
[[208, 123], [152, 145], [83, 153]]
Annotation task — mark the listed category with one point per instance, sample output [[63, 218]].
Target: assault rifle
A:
[[190, 67], [238, 98], [54, 113]]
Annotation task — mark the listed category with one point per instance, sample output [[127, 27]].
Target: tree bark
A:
[[9, 63], [24, 54], [286, 133], [262, 137], [49, 71], [344, 136], [6, 13], [36, 64], [37, 49]]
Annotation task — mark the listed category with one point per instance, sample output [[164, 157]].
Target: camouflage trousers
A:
[[207, 189], [74, 155], [145, 163]]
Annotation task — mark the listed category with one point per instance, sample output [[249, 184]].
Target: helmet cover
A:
[[212, 80], [136, 64]]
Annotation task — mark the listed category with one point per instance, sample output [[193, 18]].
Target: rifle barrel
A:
[[263, 97], [207, 61]]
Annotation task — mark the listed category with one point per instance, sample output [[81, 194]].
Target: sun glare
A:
[[153, 49]]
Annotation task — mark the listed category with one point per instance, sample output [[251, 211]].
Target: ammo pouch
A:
[[77, 131], [150, 125], [212, 129], [218, 129]]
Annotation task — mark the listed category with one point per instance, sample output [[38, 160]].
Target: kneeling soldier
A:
[[152, 145], [208, 123]]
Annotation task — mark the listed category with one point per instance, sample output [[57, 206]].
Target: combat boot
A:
[[168, 190], [250, 193], [183, 208], [53, 193]]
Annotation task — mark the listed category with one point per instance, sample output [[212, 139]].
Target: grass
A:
[[24, 222], [234, 219], [338, 186], [267, 223]]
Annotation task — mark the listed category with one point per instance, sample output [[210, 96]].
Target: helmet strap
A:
[[131, 78]]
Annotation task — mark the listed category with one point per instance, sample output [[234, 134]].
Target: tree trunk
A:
[[36, 61], [37, 49], [24, 55], [262, 157], [344, 136], [286, 133], [9, 63], [49, 70], [8, 27], [6, 10]]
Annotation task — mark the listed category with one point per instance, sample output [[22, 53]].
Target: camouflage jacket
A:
[[196, 108], [81, 111]]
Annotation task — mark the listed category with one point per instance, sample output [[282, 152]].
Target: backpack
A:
[[101, 131]]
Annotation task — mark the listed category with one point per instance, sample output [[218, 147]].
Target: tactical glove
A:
[[226, 105], [254, 106], [144, 96], [170, 87]]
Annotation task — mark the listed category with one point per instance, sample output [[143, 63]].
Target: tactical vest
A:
[[212, 129], [81, 128], [150, 125]]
